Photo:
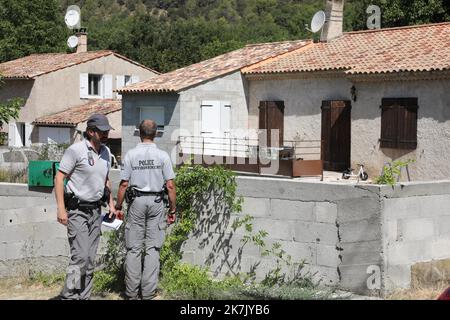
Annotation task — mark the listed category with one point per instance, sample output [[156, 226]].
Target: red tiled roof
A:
[[410, 49], [197, 73], [35, 65], [77, 114]]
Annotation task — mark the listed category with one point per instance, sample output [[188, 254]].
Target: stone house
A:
[[369, 97], [53, 84]]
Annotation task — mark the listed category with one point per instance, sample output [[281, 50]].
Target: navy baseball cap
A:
[[99, 121]]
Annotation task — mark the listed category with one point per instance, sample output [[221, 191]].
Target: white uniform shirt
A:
[[147, 168]]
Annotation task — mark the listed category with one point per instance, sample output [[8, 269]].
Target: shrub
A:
[[391, 172]]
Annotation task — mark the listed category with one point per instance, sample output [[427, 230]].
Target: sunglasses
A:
[[102, 132]]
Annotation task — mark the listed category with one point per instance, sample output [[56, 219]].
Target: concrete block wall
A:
[[362, 238], [30, 237], [341, 231], [333, 228], [416, 229]]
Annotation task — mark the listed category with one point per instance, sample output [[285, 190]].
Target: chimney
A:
[[82, 41], [334, 22]]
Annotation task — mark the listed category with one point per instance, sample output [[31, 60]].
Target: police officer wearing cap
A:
[[85, 166], [145, 169]]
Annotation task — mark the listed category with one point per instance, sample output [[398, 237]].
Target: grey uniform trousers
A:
[[145, 229], [83, 230]]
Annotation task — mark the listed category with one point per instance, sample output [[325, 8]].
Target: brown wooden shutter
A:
[[407, 133], [399, 123], [326, 133], [389, 121], [271, 116], [336, 127]]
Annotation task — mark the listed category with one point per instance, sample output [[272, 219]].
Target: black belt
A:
[[89, 205], [147, 193]]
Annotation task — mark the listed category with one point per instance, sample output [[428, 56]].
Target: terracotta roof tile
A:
[[77, 114], [413, 48], [36, 65], [197, 73]]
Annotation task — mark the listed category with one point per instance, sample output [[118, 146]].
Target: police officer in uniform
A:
[[145, 169], [85, 165]]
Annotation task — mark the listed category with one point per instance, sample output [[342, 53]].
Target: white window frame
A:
[[130, 80], [100, 86]]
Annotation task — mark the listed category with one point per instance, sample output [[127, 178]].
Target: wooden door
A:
[[336, 125], [271, 116]]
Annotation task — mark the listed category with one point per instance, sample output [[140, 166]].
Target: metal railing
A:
[[248, 147]]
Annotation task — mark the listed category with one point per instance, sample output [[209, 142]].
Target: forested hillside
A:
[[168, 34]]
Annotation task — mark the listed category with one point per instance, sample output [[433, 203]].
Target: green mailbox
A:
[[42, 173]]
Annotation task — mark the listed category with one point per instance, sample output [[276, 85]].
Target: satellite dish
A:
[[72, 42], [72, 17], [318, 21]]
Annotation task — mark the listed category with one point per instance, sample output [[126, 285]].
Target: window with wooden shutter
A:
[[399, 123]]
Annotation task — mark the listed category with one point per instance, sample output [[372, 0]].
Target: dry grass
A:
[[419, 292], [24, 289], [20, 176], [39, 288]]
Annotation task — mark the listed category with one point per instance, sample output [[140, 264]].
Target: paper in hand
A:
[[115, 224]]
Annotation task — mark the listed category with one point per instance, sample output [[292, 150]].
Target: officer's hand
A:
[[171, 217], [120, 215], [62, 216], [112, 212]]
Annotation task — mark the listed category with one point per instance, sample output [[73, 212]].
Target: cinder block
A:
[[416, 207], [300, 251], [400, 208], [402, 253], [360, 231], [11, 217], [391, 232], [18, 250], [361, 253], [358, 209], [327, 256], [443, 223], [322, 233], [325, 212], [25, 201], [277, 229], [321, 275], [295, 210], [440, 248], [53, 247], [397, 277], [355, 278], [48, 230], [14, 233], [416, 229], [256, 207]]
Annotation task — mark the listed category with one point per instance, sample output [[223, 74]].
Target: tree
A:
[[10, 110], [30, 26], [397, 13]]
